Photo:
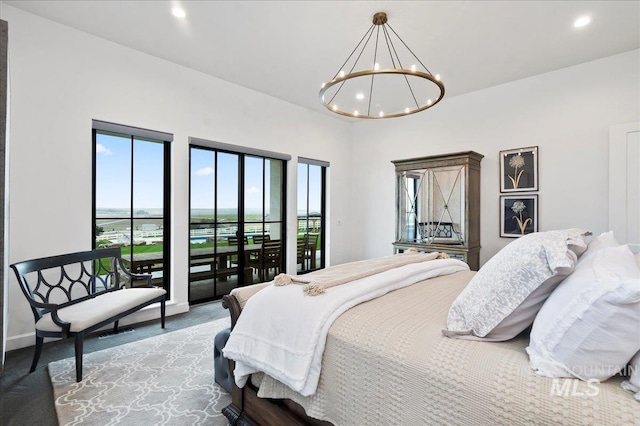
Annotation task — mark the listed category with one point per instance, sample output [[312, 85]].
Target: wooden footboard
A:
[[247, 409]]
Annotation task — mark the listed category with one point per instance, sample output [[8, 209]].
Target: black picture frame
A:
[[518, 215], [519, 169]]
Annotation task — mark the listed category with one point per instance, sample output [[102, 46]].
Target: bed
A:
[[386, 362]]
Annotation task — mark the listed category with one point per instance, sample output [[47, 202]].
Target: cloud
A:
[[205, 171], [101, 149], [253, 190]]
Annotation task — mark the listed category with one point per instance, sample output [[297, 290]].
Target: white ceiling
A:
[[286, 49]]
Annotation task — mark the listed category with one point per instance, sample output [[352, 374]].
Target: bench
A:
[[75, 294]]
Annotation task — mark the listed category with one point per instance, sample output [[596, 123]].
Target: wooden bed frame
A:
[[247, 409]]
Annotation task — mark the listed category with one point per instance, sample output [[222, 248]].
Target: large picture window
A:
[[131, 196], [312, 177]]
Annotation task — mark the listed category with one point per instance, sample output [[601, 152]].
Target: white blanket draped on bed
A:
[[282, 332]]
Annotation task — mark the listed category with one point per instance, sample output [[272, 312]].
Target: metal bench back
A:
[[66, 279]]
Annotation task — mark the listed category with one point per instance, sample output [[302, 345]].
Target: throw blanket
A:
[[318, 282], [283, 333]]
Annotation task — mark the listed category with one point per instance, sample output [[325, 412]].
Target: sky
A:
[[113, 173], [113, 177]]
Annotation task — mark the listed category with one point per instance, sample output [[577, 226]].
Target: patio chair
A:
[[233, 241], [268, 259], [259, 239]]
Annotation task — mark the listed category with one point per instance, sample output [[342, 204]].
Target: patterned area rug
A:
[[162, 380]]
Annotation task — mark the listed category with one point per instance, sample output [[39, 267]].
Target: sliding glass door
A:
[[236, 222]]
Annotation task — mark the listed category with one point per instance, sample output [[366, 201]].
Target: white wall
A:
[[566, 113], [61, 79]]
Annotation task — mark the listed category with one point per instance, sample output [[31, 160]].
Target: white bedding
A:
[[386, 362], [283, 333]]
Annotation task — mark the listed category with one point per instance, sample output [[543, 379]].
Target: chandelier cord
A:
[[409, 49], [386, 38], [354, 49], [370, 32], [375, 57], [400, 64]]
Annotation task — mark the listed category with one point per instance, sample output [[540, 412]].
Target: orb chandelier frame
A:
[[380, 25]]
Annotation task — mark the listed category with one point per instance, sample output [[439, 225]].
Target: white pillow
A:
[[589, 327], [633, 384], [504, 296], [638, 259], [606, 239]]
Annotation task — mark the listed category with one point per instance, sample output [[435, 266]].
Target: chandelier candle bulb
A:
[[391, 83]]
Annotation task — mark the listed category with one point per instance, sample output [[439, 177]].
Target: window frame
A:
[[324, 165], [151, 136]]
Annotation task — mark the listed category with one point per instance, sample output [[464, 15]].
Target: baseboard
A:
[[147, 313]]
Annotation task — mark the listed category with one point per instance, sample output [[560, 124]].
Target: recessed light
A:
[[360, 96], [178, 12], [582, 21]]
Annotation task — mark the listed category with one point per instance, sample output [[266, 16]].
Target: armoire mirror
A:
[[438, 205]]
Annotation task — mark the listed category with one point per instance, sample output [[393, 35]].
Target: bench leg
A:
[[36, 354], [115, 327], [162, 311], [79, 348]]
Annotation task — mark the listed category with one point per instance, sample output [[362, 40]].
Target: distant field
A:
[[225, 217]]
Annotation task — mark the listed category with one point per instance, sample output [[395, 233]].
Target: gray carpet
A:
[[162, 380]]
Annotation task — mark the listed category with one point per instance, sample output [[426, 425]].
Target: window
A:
[[237, 220], [131, 195], [312, 176]]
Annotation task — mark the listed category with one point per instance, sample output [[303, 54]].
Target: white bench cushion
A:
[[93, 311]]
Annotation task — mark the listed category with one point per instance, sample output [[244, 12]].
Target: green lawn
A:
[[154, 248]]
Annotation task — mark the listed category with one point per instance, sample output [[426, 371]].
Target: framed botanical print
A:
[[518, 215], [519, 169]]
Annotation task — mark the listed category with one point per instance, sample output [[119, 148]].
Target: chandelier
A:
[[387, 89]]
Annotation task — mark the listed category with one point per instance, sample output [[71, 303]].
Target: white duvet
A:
[[283, 333]]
